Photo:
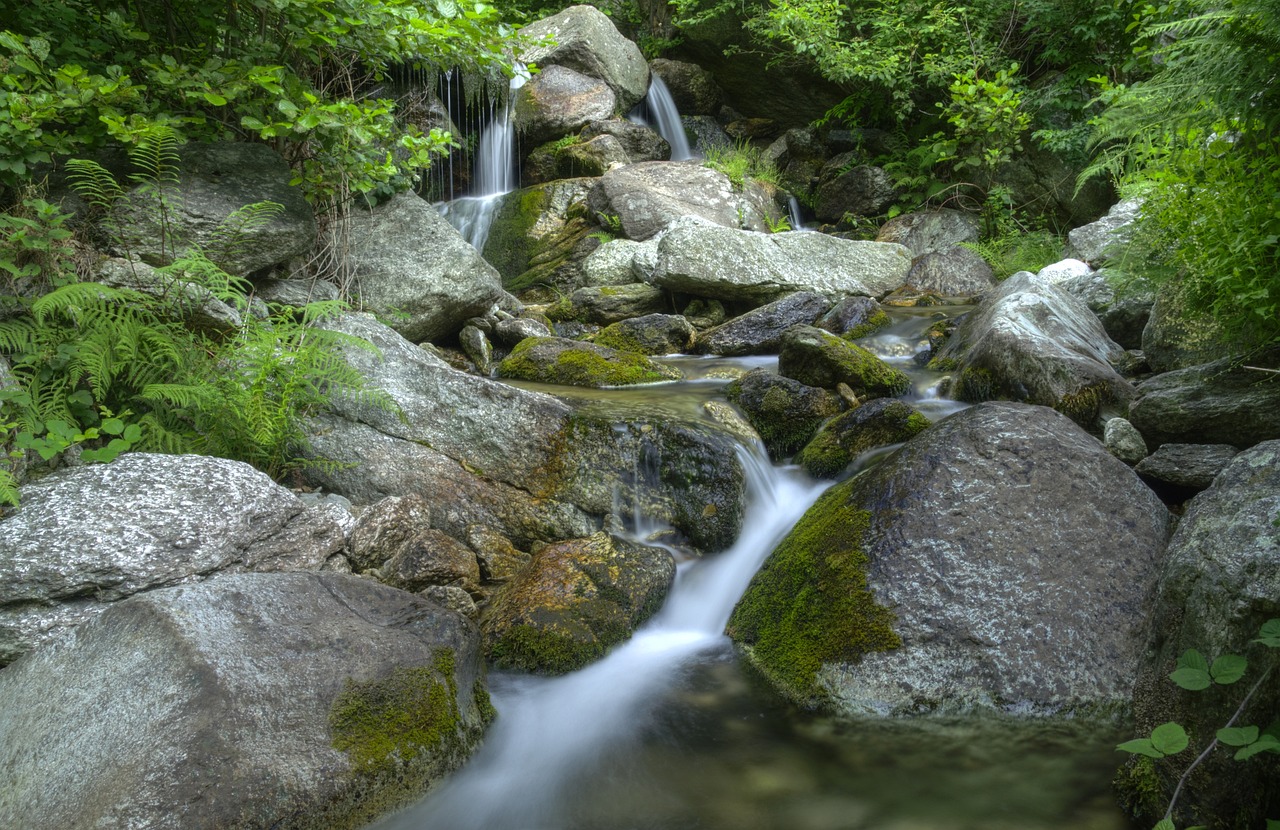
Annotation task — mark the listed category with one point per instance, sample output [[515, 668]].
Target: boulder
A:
[[575, 600], [1064, 270], [608, 304], [559, 101], [652, 334], [1186, 466], [610, 264], [414, 268], [393, 540], [1124, 313], [819, 358], [87, 537], [574, 158], [1031, 341], [385, 527], [252, 701], [952, 272], [640, 200], [511, 331], [1000, 560], [1214, 403], [294, 293], [539, 234], [706, 134], [760, 331], [930, 231], [875, 424], [641, 143], [1097, 241], [1219, 583], [584, 39], [1178, 334], [215, 182], [784, 412], [692, 88], [573, 363], [861, 191], [1123, 440], [190, 302], [854, 317], [697, 257]]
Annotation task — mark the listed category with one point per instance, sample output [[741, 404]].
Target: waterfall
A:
[[551, 730], [496, 172], [658, 110]]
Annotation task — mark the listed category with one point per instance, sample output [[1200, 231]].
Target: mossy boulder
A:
[[1222, 402], [572, 363], [854, 317], [1019, 560], [784, 412], [608, 304], [651, 334], [760, 331], [876, 423], [539, 233], [818, 358], [571, 158], [575, 600]]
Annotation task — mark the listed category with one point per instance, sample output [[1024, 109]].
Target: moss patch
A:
[[819, 358], [810, 604], [533, 648], [549, 360], [873, 324]]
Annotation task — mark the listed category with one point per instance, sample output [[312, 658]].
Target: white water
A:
[[660, 107], [496, 172], [550, 731]]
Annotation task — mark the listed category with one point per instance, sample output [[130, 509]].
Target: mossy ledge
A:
[[810, 604]]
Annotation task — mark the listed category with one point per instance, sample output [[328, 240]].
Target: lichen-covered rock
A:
[[1000, 560], [511, 331], [610, 264], [1215, 403], [608, 304], [1219, 583], [644, 199], [698, 257], [652, 334], [585, 39], [819, 358], [432, 558], [693, 89], [1097, 241], [573, 363], [760, 331], [385, 527], [1189, 466], [1031, 341], [416, 270], [285, 701], [1123, 440], [875, 424], [952, 272], [1064, 270], [641, 143], [862, 191], [854, 317], [929, 231], [88, 537], [575, 600], [784, 412]]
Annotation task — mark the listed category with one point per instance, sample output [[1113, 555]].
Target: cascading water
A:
[[551, 731], [658, 110], [495, 175]]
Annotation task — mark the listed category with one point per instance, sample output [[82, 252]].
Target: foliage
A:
[[1195, 673], [741, 162], [987, 120], [1009, 253], [36, 249]]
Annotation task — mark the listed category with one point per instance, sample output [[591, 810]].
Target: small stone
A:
[[1123, 440]]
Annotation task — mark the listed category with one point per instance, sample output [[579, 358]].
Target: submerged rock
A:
[[254, 701], [573, 363], [575, 600], [1002, 559], [785, 412], [819, 358], [876, 423]]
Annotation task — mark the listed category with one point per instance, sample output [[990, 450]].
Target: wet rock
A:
[[641, 200], [572, 363], [861, 191], [641, 143], [416, 270], [586, 40], [431, 558], [706, 134], [854, 317], [692, 88], [385, 527], [477, 347], [652, 334], [784, 412], [875, 424], [559, 101], [1214, 403], [1187, 466], [536, 230], [935, 583], [499, 559], [1219, 583], [760, 331], [930, 231], [952, 272], [252, 701], [87, 537], [1124, 314], [575, 599], [1098, 241], [1123, 440], [819, 358], [453, 598], [576, 159], [604, 305], [700, 258]]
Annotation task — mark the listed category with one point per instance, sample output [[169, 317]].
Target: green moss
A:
[[537, 649], [383, 723], [873, 324], [582, 366], [1083, 405], [810, 604], [850, 435], [975, 384], [615, 336], [1138, 788]]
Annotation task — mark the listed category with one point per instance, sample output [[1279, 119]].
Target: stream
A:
[[671, 732]]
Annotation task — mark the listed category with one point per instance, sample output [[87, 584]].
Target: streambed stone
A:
[[819, 358], [1221, 402], [569, 362], [785, 412], [874, 424], [760, 331]]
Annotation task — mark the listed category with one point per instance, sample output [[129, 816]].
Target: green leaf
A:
[[1265, 743], [132, 433], [1140, 746], [1272, 824], [215, 99], [1169, 738], [1228, 668], [1165, 824], [1270, 634], [1238, 735], [1192, 672], [113, 426]]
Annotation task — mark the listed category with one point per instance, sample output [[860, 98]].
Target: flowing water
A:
[[658, 110], [670, 732]]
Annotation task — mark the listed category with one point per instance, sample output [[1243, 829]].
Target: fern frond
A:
[[156, 156], [94, 183], [228, 238]]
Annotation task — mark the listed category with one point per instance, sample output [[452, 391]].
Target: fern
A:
[[227, 238]]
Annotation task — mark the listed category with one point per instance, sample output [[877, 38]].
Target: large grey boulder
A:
[[641, 143], [1219, 583], [559, 101], [1097, 241], [610, 264], [929, 231], [412, 267], [255, 701], [760, 331], [640, 200], [1000, 560], [88, 537], [585, 40], [952, 272], [698, 257], [861, 191], [1031, 341], [214, 182], [1221, 402]]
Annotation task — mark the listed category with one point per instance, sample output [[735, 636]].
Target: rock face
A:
[[1030, 341], [930, 231], [819, 358], [692, 88], [722, 263], [88, 537], [1091, 242], [569, 362], [644, 199], [414, 268], [876, 423], [1215, 403], [1219, 584], [251, 701], [952, 272], [215, 181], [586, 40], [862, 191], [559, 101], [784, 412], [1018, 558], [574, 600], [760, 331]]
